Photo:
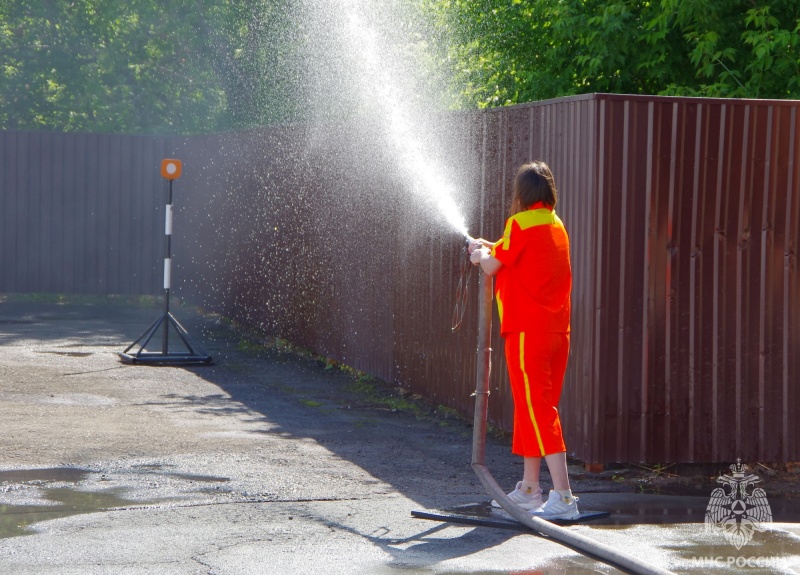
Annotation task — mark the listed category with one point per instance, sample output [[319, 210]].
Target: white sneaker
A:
[[556, 508], [527, 499]]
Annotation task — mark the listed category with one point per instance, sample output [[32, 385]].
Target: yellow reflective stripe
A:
[[499, 307], [528, 219], [531, 218], [528, 391], [506, 245]]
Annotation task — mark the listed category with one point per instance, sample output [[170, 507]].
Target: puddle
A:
[[200, 478], [625, 510], [768, 552], [47, 475], [87, 502], [69, 353], [34, 495], [15, 520], [637, 509], [148, 467], [673, 527], [161, 470]]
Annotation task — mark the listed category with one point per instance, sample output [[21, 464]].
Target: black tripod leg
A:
[[184, 335], [146, 335]]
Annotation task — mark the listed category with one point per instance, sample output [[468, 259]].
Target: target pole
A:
[[194, 355], [167, 267]]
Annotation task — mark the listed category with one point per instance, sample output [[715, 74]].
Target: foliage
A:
[[500, 52], [195, 66], [167, 66]]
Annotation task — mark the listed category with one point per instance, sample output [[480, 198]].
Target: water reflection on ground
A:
[[30, 496]]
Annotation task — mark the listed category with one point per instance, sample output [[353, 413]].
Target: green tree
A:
[[739, 49], [257, 50], [167, 66], [501, 52]]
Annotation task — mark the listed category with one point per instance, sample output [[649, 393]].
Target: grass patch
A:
[[311, 403], [237, 366], [145, 301], [360, 423], [249, 346]]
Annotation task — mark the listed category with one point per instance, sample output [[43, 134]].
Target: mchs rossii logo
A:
[[738, 508]]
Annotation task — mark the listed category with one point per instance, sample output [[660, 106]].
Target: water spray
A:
[[387, 96]]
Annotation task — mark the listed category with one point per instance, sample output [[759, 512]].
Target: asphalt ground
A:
[[274, 461]]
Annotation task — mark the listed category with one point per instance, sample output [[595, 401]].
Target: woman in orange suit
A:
[[533, 282]]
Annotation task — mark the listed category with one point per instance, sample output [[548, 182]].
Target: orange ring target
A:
[[171, 169]]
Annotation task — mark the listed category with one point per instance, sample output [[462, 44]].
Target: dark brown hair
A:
[[534, 183]]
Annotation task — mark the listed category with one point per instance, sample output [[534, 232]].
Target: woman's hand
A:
[[477, 254], [481, 255], [475, 244]]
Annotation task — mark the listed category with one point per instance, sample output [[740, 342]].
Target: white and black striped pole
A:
[[194, 355], [170, 169]]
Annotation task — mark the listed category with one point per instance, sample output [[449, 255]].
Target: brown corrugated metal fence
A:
[[683, 218], [81, 213]]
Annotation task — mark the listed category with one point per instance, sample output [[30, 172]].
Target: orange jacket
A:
[[533, 285]]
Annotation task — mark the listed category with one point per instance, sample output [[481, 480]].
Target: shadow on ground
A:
[[421, 450]]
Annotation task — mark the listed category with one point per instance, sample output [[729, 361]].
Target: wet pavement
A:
[[267, 462]]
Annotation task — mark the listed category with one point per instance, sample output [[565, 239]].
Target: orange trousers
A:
[[536, 366]]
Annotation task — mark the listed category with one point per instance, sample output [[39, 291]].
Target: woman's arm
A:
[[480, 254]]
